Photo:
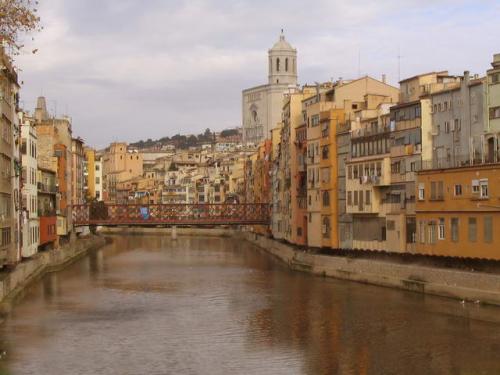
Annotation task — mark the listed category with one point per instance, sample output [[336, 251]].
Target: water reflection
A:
[[149, 305]]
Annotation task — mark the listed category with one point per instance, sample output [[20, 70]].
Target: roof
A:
[[441, 73], [282, 44]]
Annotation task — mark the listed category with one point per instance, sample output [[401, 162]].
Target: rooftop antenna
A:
[[399, 64], [359, 63]]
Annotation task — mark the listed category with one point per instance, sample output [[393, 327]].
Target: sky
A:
[[126, 70]]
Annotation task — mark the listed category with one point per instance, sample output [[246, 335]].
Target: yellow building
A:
[[119, 165], [90, 174], [330, 121], [458, 212]]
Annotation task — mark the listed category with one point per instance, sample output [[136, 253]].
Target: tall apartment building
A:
[[29, 194], [98, 180], [54, 154], [342, 102], [287, 163], [492, 125], [9, 166], [458, 124], [77, 171], [119, 165], [47, 208]]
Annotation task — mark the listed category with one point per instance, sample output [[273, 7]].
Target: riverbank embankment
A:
[[467, 286], [180, 231], [14, 283]]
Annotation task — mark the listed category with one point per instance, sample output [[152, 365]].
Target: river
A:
[[200, 305]]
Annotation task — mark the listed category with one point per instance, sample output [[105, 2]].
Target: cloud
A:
[[127, 69]]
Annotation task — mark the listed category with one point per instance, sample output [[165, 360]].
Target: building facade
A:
[[9, 165], [457, 212], [262, 105], [29, 193]]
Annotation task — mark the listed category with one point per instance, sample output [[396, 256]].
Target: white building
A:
[[262, 105], [98, 179], [30, 225]]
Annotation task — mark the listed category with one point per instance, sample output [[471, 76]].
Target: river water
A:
[[147, 305]]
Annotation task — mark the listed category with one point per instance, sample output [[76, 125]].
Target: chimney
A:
[[466, 77], [41, 113], [384, 78]]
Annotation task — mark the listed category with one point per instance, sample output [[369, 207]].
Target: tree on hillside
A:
[[17, 17], [228, 133], [192, 141]]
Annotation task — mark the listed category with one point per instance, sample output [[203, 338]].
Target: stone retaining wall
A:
[[13, 283], [468, 286], [194, 231]]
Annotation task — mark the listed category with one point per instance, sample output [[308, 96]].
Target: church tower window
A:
[[278, 64], [286, 64]]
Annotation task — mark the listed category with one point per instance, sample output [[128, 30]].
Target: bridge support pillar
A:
[[174, 232]]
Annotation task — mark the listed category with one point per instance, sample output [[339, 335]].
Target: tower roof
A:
[[282, 44]]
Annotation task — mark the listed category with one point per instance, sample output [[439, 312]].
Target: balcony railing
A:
[[366, 132], [43, 188]]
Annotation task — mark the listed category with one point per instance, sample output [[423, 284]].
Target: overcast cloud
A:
[[136, 69]]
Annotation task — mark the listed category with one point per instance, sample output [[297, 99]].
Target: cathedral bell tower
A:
[[282, 63]]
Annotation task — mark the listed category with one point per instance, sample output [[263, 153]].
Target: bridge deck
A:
[[171, 214]]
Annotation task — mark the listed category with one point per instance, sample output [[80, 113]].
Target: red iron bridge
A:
[[101, 214]]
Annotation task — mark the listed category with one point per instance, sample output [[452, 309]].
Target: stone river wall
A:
[[13, 283]]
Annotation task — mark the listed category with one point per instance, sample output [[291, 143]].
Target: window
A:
[[494, 113], [97, 167], [441, 229], [325, 152], [6, 239], [457, 126], [97, 180], [472, 229], [446, 127], [421, 192], [454, 229], [315, 120], [432, 232], [286, 65], [349, 172], [475, 186], [326, 199], [277, 64], [349, 198], [421, 231], [483, 188], [488, 229], [458, 190], [355, 197], [440, 194], [326, 227]]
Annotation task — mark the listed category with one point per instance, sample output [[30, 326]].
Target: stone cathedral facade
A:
[[262, 105]]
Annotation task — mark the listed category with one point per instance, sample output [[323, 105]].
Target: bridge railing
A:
[[189, 214]]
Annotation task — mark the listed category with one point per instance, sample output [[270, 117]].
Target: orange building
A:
[[63, 212], [329, 121], [300, 224], [457, 211]]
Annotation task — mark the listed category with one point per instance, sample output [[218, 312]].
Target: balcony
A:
[[367, 132], [47, 189], [6, 109], [405, 150]]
